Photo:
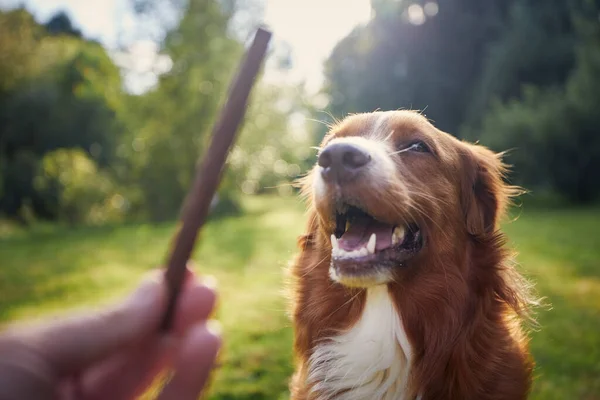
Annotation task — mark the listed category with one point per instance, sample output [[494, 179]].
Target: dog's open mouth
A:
[[363, 246]]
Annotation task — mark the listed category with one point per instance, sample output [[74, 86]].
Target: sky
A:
[[310, 27]]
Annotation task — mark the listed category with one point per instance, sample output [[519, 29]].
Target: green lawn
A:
[[54, 269]]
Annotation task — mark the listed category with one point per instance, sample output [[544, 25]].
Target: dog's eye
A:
[[418, 147]]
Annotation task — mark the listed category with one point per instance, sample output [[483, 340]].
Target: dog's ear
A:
[[484, 194]]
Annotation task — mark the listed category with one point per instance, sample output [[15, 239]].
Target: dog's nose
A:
[[342, 161]]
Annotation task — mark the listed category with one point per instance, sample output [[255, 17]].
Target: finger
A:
[[195, 360], [195, 304], [126, 376], [129, 372]]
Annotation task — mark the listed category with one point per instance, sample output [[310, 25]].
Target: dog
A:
[[403, 286]]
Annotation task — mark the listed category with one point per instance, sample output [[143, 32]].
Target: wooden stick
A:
[[208, 176]]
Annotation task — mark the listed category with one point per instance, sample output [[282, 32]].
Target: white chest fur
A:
[[369, 361]]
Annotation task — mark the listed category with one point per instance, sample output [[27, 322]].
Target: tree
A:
[[555, 132], [61, 24], [173, 121], [536, 47], [66, 97], [19, 38]]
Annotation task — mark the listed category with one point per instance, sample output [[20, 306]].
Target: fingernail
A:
[[214, 327], [210, 282], [190, 265]]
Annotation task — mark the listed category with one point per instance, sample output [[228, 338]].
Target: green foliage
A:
[[172, 123], [65, 97], [19, 38], [81, 193], [60, 24], [555, 132], [68, 96], [521, 128], [274, 147], [521, 54]]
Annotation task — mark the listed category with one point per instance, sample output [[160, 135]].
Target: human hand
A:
[[115, 353]]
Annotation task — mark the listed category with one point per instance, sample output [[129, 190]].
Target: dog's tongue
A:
[[361, 229]]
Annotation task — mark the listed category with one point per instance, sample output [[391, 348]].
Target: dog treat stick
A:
[[208, 176]]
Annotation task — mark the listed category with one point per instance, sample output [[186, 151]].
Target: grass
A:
[[56, 269], [559, 250]]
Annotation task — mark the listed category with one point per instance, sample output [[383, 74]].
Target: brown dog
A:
[[403, 288]]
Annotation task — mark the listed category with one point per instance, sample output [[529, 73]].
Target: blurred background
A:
[[106, 107]]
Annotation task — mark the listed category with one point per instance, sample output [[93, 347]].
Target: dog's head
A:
[[391, 192]]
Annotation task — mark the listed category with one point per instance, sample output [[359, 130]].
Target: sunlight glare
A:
[[431, 8], [312, 28], [416, 16]]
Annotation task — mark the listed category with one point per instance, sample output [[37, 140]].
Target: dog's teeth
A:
[[334, 243], [399, 231], [347, 225], [341, 253], [371, 245], [398, 235]]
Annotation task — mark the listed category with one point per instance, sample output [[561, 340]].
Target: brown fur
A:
[[461, 299]]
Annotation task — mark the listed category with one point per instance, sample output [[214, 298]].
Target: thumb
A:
[[75, 343]]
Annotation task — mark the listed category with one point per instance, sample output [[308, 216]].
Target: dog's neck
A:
[[371, 360]]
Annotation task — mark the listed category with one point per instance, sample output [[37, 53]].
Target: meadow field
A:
[[52, 269]]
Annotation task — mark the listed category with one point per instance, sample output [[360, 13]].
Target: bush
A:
[[81, 192]]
